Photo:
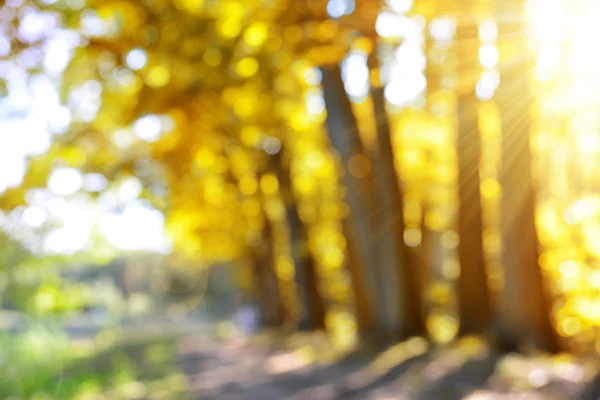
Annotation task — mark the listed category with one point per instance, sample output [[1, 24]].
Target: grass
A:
[[43, 365]]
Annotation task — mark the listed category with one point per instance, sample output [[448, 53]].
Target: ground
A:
[[186, 359], [249, 368]]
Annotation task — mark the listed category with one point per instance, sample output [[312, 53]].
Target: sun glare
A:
[[566, 141]]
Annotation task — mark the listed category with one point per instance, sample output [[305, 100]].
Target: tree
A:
[[313, 306], [524, 313], [375, 222], [343, 134], [401, 271], [473, 294]]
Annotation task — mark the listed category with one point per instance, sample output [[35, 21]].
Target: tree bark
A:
[[524, 307], [364, 318], [313, 306], [343, 134], [400, 275], [473, 293], [266, 281]]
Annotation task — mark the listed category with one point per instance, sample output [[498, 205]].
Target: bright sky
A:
[[30, 115]]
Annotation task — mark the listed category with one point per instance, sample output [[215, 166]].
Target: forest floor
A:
[[305, 367], [188, 359]]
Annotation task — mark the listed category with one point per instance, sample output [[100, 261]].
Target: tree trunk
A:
[[313, 306], [400, 276], [473, 294], [266, 281], [343, 134], [524, 307], [364, 318]]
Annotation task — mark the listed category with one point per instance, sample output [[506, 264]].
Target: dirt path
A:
[[242, 369]]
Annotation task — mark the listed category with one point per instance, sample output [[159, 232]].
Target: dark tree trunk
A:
[[343, 134], [375, 225], [364, 318], [399, 273], [524, 307], [313, 306], [266, 284], [473, 293]]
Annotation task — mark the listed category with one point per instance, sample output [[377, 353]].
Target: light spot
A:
[[400, 6], [387, 24], [442, 30], [167, 123], [450, 240], [34, 216], [129, 189], [412, 237], [136, 58], [148, 128], [84, 101], [57, 55], [313, 76], [269, 184], [588, 142], [36, 25], [123, 138], [568, 269], [481, 395], [411, 52], [404, 87], [490, 189], [248, 186], [356, 74], [334, 257], [271, 145], [391, 25], [94, 182], [488, 56], [315, 102], [339, 8], [451, 269], [65, 181], [60, 120], [138, 227], [569, 326], [487, 85], [29, 58], [256, 34], [359, 166], [442, 327], [246, 67], [538, 378], [78, 217], [92, 24], [189, 5], [4, 46], [488, 31], [483, 91], [158, 76]]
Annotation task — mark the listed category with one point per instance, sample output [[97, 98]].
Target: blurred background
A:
[[320, 199]]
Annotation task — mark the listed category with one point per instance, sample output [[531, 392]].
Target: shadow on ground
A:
[[240, 369]]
